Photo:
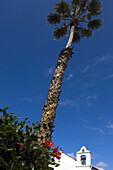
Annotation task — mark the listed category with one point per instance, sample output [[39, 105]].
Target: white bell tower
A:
[[83, 159]]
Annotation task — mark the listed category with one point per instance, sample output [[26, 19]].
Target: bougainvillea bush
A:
[[19, 148]]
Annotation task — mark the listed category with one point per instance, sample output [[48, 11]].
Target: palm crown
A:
[[83, 14]]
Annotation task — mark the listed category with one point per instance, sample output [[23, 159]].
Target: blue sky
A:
[[28, 55]]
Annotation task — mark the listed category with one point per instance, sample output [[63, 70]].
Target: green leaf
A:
[[10, 149], [76, 8], [57, 165], [18, 127], [96, 23], [36, 147], [83, 6], [26, 118], [1, 110], [60, 32], [85, 32], [94, 7], [82, 19], [54, 18], [2, 161], [33, 124], [32, 166], [6, 108], [76, 37], [74, 3], [62, 8]]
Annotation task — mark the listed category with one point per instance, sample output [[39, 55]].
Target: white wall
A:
[[66, 163]]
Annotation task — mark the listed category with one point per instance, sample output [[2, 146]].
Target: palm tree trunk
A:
[[71, 36], [51, 103]]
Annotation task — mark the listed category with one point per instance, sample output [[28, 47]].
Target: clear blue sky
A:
[[28, 56]]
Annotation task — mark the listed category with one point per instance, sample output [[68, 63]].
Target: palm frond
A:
[[83, 4], [75, 2], [86, 32], [60, 31], [54, 18], [95, 23], [89, 16], [82, 19], [76, 37], [78, 29], [62, 8], [94, 7]]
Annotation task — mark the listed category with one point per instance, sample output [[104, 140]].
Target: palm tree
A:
[[79, 18]]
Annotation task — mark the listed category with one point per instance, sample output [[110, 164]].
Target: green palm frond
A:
[[76, 37], [60, 31], [83, 4], [82, 19], [74, 3], [94, 7], [54, 18], [85, 32], [95, 23], [79, 6], [63, 9]]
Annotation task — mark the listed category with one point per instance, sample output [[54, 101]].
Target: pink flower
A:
[[50, 144]]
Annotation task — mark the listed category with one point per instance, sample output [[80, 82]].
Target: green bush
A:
[[19, 148]]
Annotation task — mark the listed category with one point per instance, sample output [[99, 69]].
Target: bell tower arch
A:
[[83, 158]]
